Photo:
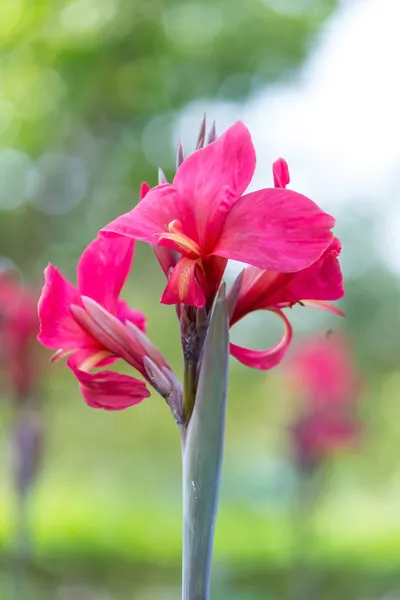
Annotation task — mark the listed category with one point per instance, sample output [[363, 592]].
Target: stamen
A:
[[94, 360], [184, 242], [61, 354]]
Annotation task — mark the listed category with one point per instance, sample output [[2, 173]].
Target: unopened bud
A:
[[202, 134], [162, 178]]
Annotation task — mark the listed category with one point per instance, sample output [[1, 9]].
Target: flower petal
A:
[[256, 288], [156, 209], [103, 269], [281, 174], [323, 280], [125, 313], [212, 179], [317, 438], [335, 310], [275, 229], [265, 359], [182, 286], [210, 273], [108, 390], [58, 328]]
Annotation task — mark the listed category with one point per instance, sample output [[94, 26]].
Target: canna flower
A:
[[206, 218], [95, 327], [18, 329], [324, 374], [258, 289]]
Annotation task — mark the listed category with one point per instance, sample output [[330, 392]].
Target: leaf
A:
[[203, 444]]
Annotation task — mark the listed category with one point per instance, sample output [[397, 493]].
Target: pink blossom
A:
[[207, 219], [259, 289], [328, 384], [96, 327], [18, 329]]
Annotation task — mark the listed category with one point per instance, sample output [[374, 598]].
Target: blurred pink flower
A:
[[326, 379], [18, 329], [258, 289], [93, 324], [206, 219]]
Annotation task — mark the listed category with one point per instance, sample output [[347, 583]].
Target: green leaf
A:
[[203, 444]]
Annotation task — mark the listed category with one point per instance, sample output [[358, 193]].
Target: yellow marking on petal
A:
[[93, 360], [184, 278], [184, 242]]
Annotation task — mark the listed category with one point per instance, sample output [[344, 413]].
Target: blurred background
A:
[[94, 96]]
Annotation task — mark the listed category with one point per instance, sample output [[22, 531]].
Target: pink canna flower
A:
[[323, 368], [92, 324], [206, 218], [258, 289], [328, 384], [18, 329]]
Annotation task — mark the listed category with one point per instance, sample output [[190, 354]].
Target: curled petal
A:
[[182, 286], [103, 269], [323, 280], [58, 328], [281, 174], [108, 390], [275, 229], [335, 310], [265, 359]]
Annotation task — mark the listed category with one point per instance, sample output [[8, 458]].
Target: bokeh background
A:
[[94, 95]]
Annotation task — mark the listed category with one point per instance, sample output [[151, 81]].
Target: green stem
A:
[[189, 389], [202, 445]]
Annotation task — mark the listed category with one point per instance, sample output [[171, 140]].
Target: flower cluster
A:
[[195, 225]]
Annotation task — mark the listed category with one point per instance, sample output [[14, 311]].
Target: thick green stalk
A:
[[203, 442]]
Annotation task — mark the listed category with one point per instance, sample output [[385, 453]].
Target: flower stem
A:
[[189, 389], [202, 446]]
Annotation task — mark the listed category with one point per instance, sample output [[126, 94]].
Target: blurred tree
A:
[[87, 86]]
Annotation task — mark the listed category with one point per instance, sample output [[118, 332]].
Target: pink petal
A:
[[108, 390], [320, 436], [167, 257], [265, 359], [335, 310], [125, 313], [281, 174], [212, 179], [159, 206], [210, 274], [207, 184], [103, 269], [324, 370], [182, 286], [323, 280], [256, 288], [275, 229], [58, 328]]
